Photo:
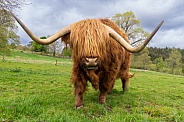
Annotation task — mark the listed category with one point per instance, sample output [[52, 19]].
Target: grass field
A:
[[33, 89]]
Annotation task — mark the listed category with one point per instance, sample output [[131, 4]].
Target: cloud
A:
[[172, 37], [46, 18]]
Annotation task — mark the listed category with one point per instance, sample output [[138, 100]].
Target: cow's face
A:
[[88, 41]]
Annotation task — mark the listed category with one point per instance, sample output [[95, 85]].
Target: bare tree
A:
[[11, 4], [56, 47]]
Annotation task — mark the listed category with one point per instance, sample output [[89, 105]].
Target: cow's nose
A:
[[91, 60], [92, 63]]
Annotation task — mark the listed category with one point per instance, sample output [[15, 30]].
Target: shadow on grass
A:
[[117, 98]]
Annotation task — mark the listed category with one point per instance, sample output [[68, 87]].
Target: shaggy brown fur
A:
[[89, 38], [124, 56]]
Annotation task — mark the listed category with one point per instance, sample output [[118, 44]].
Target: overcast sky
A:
[[48, 16]]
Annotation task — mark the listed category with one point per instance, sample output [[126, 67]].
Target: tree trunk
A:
[[3, 59], [54, 53], [56, 63], [173, 69]]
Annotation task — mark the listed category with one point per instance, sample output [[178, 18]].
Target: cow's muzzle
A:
[[91, 63]]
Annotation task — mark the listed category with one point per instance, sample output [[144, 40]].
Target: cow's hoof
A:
[[96, 87], [79, 107], [109, 93], [102, 100], [125, 91], [101, 103]]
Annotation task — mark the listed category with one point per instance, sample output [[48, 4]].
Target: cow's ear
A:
[[66, 38]]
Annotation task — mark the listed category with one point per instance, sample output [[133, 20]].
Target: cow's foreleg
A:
[[79, 90], [105, 87], [102, 95], [80, 84]]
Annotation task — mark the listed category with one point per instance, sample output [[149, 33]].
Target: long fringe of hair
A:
[[88, 39]]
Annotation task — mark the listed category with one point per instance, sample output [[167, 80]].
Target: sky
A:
[[49, 16]]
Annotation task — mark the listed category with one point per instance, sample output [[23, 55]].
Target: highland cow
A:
[[101, 53]]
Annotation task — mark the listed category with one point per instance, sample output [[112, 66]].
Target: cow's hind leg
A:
[[126, 80], [125, 84]]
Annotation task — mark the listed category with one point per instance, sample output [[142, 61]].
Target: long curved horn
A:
[[126, 45], [43, 41]]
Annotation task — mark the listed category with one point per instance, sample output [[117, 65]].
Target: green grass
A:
[[41, 91]]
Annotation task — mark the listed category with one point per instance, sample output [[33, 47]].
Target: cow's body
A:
[[115, 63]]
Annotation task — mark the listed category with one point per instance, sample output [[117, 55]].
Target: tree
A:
[[7, 24], [131, 25], [39, 47], [55, 47], [7, 32], [155, 53], [11, 4], [159, 64], [66, 52], [30, 45], [174, 60], [142, 60], [13, 46]]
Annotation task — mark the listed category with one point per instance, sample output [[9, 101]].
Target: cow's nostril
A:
[[87, 59], [91, 60]]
